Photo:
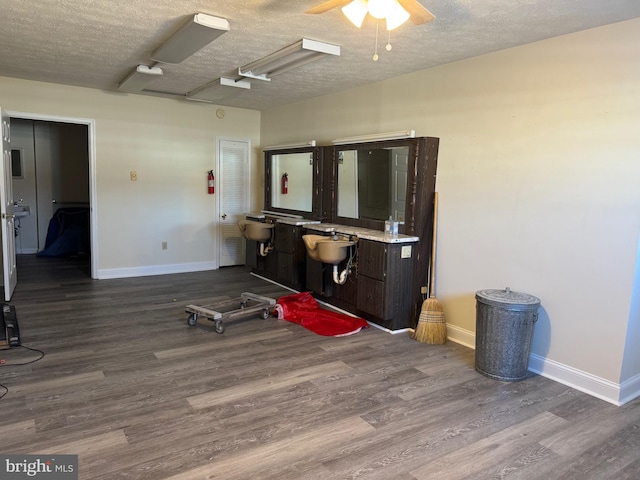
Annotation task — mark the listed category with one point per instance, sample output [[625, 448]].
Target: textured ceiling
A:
[[96, 43]]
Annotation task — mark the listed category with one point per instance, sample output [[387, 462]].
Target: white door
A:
[[10, 272], [232, 186]]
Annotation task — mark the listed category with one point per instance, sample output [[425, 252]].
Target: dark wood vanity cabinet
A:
[[378, 179], [291, 255], [385, 274]]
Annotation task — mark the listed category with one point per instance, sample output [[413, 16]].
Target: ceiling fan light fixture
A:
[[380, 8], [396, 16], [356, 11]]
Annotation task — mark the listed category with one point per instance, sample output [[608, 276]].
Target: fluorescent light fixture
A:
[[199, 31], [311, 143], [139, 79], [356, 11], [218, 89], [293, 56], [376, 137]]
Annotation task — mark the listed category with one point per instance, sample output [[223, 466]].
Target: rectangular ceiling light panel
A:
[[139, 79], [218, 89], [288, 58], [198, 32]]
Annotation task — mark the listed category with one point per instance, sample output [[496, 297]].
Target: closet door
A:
[[232, 187], [10, 272]]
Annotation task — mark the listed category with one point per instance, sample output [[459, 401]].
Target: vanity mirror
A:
[[371, 182], [292, 181]]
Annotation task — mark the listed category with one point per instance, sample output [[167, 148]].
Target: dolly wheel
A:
[[191, 321], [265, 313], [219, 326]]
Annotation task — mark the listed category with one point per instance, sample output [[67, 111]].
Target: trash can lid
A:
[[507, 298]]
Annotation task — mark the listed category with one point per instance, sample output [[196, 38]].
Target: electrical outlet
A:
[[164, 245], [133, 175]]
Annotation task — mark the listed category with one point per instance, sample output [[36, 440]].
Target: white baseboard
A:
[[128, 272], [461, 336], [630, 389], [578, 379], [26, 251], [617, 394]]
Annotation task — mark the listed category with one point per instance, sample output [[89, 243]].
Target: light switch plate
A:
[[405, 252]]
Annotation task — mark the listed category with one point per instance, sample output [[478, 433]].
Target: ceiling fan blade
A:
[[418, 13], [326, 6]]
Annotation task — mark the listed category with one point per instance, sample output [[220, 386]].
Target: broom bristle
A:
[[432, 305], [431, 326]]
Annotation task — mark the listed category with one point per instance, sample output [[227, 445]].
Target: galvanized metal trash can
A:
[[504, 330]]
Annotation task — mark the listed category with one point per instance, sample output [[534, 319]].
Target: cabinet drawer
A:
[[372, 258], [371, 297]]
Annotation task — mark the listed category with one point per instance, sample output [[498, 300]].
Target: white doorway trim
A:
[[220, 191], [93, 203]]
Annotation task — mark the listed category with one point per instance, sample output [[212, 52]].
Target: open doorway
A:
[[52, 178]]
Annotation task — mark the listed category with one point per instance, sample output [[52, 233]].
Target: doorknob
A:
[[224, 216]]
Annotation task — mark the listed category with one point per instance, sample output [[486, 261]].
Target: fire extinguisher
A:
[[285, 183], [211, 182]]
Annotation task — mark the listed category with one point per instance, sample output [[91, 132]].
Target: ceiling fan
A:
[[396, 12]]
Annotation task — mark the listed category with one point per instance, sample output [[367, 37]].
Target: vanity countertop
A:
[[273, 217], [295, 221], [365, 233]]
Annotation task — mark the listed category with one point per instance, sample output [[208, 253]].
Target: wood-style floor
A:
[[138, 394]]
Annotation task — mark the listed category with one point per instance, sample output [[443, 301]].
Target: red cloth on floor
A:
[[303, 309]]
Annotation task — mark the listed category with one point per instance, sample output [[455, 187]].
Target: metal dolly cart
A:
[[219, 311]]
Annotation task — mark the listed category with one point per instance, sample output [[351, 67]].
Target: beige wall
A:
[[171, 145], [538, 179]]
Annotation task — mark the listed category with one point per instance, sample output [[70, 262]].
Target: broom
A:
[[431, 326]]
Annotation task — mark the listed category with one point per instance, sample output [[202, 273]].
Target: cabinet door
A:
[[371, 297], [285, 238], [286, 272], [372, 259]]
